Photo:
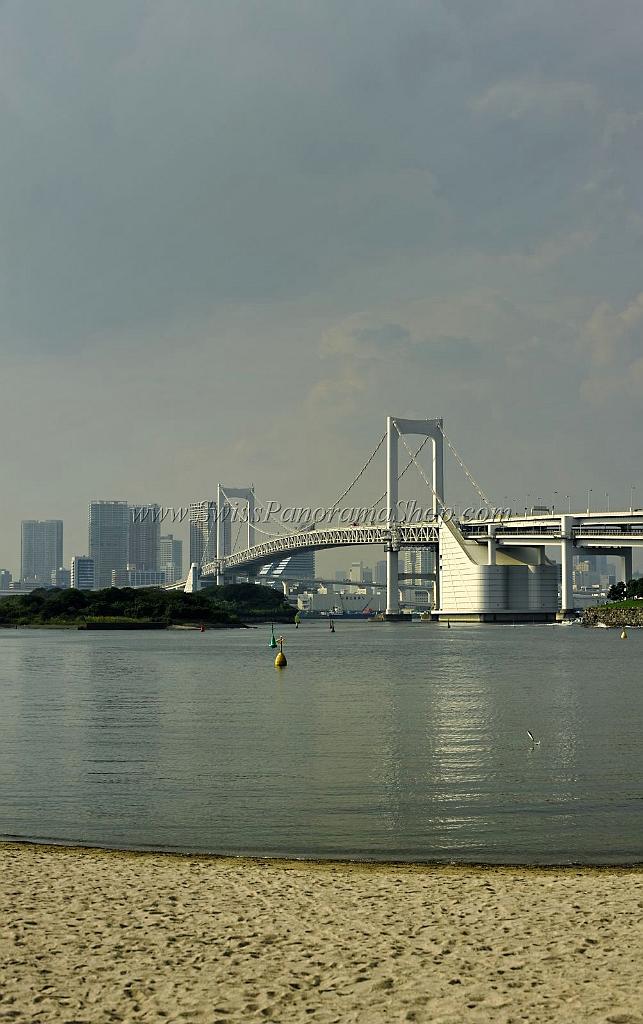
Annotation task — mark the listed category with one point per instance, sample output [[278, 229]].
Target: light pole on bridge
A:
[[589, 491], [632, 489], [564, 497]]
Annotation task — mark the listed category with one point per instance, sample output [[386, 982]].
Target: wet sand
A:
[[90, 937]]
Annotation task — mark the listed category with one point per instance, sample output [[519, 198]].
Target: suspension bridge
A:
[[490, 568]]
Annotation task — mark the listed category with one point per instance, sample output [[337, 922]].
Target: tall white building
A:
[[108, 539], [41, 550], [171, 558], [418, 563], [355, 572], [82, 572]]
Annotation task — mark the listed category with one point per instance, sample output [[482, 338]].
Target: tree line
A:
[[217, 606], [624, 591]]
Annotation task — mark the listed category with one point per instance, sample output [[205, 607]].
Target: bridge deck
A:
[[587, 530]]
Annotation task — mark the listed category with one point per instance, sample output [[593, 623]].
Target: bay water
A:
[[379, 741]]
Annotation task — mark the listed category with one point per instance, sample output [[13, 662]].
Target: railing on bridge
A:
[[406, 535]]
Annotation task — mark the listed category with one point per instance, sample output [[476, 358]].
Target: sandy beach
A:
[[93, 936]]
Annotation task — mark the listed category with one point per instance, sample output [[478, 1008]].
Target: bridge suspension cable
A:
[[207, 545], [408, 466], [363, 469], [236, 539], [355, 479], [257, 529], [412, 461], [268, 533], [462, 465]]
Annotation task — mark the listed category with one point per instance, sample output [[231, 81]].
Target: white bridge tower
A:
[[224, 513], [395, 428]]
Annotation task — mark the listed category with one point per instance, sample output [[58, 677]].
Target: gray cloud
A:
[[198, 200]]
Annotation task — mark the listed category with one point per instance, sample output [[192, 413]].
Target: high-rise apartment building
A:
[[41, 550], [360, 573], [82, 572], [108, 539], [203, 531], [5, 579], [144, 538], [171, 558], [61, 578], [417, 563], [380, 572], [355, 572]]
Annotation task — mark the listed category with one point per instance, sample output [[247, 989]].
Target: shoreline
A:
[[97, 935], [284, 860]]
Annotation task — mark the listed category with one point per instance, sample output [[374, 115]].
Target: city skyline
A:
[[198, 523]]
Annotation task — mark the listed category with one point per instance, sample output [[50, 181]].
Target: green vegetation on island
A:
[[626, 591], [126, 608], [625, 607]]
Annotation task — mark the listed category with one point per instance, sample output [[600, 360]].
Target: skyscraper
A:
[[82, 572], [203, 532], [41, 550], [144, 538], [108, 539], [418, 563], [171, 558]]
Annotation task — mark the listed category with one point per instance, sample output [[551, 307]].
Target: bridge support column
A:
[[491, 545], [224, 514], [627, 564], [394, 429], [392, 583], [392, 573], [566, 551], [220, 533]]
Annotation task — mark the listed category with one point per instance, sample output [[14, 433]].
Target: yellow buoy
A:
[[623, 635], [280, 660]]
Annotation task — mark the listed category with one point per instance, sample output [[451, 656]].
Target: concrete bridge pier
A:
[[491, 545], [567, 552], [193, 581], [626, 555], [392, 559]]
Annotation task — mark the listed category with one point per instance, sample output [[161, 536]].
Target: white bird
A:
[[533, 738]]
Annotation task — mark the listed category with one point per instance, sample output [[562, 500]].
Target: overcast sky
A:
[[235, 235]]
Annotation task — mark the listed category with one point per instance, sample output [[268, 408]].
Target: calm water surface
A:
[[380, 741]]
